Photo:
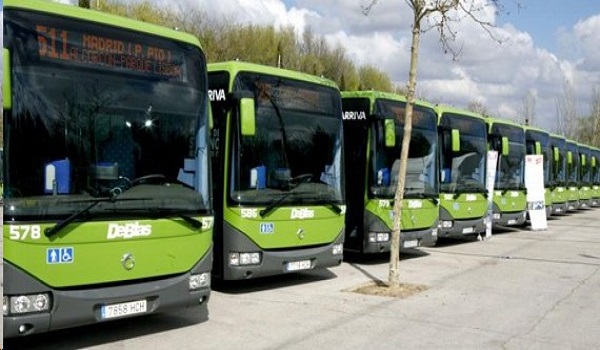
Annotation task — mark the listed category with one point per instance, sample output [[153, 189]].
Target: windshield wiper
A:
[[51, 231], [292, 184], [327, 203], [471, 189], [196, 224], [434, 197]]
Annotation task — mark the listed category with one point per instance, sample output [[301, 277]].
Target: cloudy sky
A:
[[544, 44]]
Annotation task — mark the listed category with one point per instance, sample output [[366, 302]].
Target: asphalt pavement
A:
[[519, 289]]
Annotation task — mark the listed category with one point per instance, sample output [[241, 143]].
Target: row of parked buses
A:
[[445, 191], [160, 172]]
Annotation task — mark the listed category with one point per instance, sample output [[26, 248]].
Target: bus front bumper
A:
[[84, 306]]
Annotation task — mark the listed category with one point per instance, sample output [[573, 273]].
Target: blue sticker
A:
[[267, 228], [60, 255]]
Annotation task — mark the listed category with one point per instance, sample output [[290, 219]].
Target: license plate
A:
[[411, 244], [124, 309], [468, 230], [512, 222], [298, 265]]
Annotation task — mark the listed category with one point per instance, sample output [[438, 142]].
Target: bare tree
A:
[[445, 11], [567, 111], [589, 126], [595, 116], [528, 116], [478, 107]]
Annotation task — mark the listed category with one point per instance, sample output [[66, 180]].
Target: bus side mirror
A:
[[538, 147], [569, 157], [555, 154], [455, 140], [247, 116], [389, 132], [6, 83], [504, 146], [211, 122]]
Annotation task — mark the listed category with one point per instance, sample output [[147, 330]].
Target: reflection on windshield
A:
[[421, 171], [79, 132], [464, 171], [510, 172], [295, 143]]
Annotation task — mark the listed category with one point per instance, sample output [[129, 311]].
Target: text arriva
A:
[[354, 115], [217, 95]]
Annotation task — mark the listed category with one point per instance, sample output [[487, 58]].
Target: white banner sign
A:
[[490, 179], [534, 182]]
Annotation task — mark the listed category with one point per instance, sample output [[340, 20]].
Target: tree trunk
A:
[[394, 272]]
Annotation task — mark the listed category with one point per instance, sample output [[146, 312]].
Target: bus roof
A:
[[535, 128], [71, 11], [442, 109], [236, 67], [491, 120], [372, 95]]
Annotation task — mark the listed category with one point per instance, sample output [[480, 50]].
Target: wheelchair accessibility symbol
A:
[[60, 255]]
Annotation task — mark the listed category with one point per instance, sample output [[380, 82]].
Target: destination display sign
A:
[[90, 49]]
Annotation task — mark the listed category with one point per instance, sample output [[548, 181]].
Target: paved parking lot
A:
[[520, 289]]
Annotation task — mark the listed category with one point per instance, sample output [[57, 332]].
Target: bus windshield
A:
[[573, 167], [95, 108], [585, 175], [421, 172], [510, 172], [463, 171], [560, 165], [296, 151]]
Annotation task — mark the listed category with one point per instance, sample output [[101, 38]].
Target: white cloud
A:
[[498, 75], [586, 33]]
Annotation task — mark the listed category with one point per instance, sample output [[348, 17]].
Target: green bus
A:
[[558, 177], [111, 217], [373, 134], [585, 176], [277, 152], [537, 141], [595, 176], [573, 174], [510, 198], [463, 157]]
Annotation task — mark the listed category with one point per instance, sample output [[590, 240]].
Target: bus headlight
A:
[[239, 259], [446, 224], [337, 249], [201, 280], [496, 216], [24, 304], [379, 237]]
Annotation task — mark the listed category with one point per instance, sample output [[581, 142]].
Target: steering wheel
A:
[[302, 178], [152, 179]]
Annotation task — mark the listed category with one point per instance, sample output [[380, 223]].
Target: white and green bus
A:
[[573, 173], [558, 177], [277, 154], [107, 201], [510, 197], [463, 154], [538, 142], [373, 131]]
